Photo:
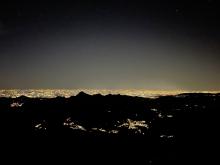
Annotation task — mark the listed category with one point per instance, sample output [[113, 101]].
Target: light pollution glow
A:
[[51, 93]]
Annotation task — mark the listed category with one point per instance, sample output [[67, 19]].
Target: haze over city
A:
[[154, 45]]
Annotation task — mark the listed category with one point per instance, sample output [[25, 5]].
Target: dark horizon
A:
[[165, 45]]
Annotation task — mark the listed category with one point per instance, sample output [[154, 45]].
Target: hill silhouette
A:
[[115, 128]]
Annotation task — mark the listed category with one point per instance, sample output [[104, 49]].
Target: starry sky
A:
[[121, 44]]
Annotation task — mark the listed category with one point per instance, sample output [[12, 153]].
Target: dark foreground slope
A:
[[113, 129]]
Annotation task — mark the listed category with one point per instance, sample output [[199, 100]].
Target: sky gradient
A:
[[110, 44]]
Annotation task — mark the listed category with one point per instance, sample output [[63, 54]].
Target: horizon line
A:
[[114, 89]]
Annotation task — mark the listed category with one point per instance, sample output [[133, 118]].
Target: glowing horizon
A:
[[51, 93]]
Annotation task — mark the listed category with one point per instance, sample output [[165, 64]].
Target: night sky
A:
[[110, 44]]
